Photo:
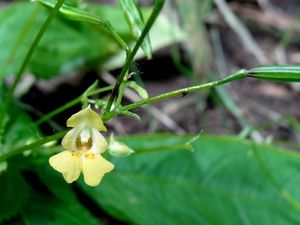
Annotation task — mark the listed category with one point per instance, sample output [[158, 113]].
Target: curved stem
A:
[[239, 75], [34, 145], [117, 37], [70, 104], [156, 10], [33, 47], [26, 61], [22, 34], [184, 91]]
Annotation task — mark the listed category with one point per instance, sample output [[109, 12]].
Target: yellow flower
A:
[[84, 145]]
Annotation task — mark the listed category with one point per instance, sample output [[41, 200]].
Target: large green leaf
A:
[[47, 211], [55, 183], [18, 131], [225, 181], [65, 46], [14, 193]]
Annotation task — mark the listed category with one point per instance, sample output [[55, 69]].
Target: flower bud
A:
[[119, 149]]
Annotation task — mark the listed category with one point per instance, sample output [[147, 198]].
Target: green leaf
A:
[[46, 211], [140, 90], [163, 33], [131, 115], [225, 181], [19, 130], [14, 193], [66, 45], [73, 13], [55, 183], [135, 19], [288, 73]]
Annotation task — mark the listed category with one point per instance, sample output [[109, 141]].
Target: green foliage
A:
[[224, 181], [35, 206], [135, 19], [139, 90], [44, 210], [288, 73], [14, 193], [73, 13], [17, 126], [19, 130], [55, 183], [76, 46]]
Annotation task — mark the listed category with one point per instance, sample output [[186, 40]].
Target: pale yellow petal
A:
[[86, 117], [99, 142], [69, 140], [68, 163], [94, 166]]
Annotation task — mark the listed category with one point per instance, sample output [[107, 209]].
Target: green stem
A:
[[23, 34], [184, 91], [156, 10], [117, 37], [34, 145], [33, 47], [70, 104], [27, 59], [121, 93], [239, 75]]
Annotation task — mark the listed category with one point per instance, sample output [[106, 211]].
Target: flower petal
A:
[[86, 117], [69, 140], [99, 142], [94, 167], [68, 163]]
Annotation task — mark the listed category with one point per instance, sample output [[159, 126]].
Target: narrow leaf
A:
[[140, 90], [135, 20], [74, 13], [288, 73]]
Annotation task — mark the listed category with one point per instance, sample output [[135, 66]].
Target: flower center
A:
[[84, 141]]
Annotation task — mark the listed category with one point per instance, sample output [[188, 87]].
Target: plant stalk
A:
[[239, 75], [156, 10]]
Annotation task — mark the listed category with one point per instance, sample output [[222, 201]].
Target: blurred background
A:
[[216, 38], [193, 41]]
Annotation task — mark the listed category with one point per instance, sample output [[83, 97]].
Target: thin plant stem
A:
[[22, 34], [31, 146], [121, 92], [184, 91], [117, 37], [239, 75], [70, 104], [33, 47], [27, 60], [156, 10]]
